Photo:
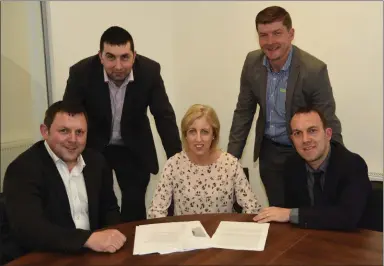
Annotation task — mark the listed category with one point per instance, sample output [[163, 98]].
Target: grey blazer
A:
[[308, 84]]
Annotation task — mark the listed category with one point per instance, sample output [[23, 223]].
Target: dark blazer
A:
[[308, 84], [346, 188], [37, 204], [86, 85]]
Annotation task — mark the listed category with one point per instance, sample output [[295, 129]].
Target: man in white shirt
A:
[[57, 193]]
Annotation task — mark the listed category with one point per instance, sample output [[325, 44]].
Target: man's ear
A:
[[44, 131], [291, 33], [328, 133], [134, 57]]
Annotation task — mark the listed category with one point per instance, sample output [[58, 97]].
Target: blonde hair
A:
[[197, 111]]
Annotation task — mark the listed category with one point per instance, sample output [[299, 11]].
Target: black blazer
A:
[[346, 187], [86, 85], [37, 204]]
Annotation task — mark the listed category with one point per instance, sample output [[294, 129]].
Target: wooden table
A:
[[286, 245]]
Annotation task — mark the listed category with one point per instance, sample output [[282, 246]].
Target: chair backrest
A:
[[4, 231], [236, 205], [9, 249], [373, 215], [2, 214], [171, 209]]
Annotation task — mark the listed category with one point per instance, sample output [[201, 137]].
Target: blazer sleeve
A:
[[345, 215], [109, 209], [74, 91], [24, 209], [243, 114], [322, 98], [164, 115]]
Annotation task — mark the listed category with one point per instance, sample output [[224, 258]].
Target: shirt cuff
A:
[[294, 216]]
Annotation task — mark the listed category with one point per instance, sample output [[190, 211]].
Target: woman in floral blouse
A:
[[202, 178]]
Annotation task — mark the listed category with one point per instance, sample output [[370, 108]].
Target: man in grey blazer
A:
[[280, 78]]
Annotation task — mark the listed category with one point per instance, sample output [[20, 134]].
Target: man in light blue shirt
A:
[[280, 78]]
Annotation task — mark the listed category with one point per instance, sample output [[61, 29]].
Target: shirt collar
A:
[[56, 159], [127, 79], [323, 166], [286, 65]]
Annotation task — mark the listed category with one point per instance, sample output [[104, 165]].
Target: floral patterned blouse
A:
[[200, 189]]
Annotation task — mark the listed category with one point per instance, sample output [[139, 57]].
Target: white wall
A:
[[202, 46], [23, 85]]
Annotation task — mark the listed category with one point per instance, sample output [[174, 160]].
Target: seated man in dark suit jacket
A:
[[57, 194], [326, 185]]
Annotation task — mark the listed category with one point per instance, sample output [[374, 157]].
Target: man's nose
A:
[[118, 64], [270, 40], [72, 137], [305, 137]]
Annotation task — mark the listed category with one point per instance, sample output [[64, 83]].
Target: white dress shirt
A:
[[75, 187]]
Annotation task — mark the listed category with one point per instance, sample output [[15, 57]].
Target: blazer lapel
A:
[[303, 184], [129, 97], [132, 91], [260, 74], [331, 175], [56, 181], [292, 79], [91, 195], [102, 90]]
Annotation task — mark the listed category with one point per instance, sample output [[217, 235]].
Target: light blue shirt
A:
[[117, 95], [275, 127]]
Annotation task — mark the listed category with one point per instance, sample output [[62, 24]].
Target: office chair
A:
[[373, 215], [9, 249]]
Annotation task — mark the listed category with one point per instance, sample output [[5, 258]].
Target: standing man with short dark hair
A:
[[117, 86], [279, 78]]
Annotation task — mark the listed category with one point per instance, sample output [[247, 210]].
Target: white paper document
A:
[[166, 238], [241, 236]]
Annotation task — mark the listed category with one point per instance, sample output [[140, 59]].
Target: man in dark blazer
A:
[[57, 194], [326, 185], [116, 87], [279, 78]]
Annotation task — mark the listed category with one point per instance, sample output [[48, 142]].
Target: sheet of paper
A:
[[240, 236], [166, 238]]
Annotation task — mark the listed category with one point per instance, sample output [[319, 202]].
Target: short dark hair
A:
[[273, 14], [116, 36], [309, 109], [63, 107]]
